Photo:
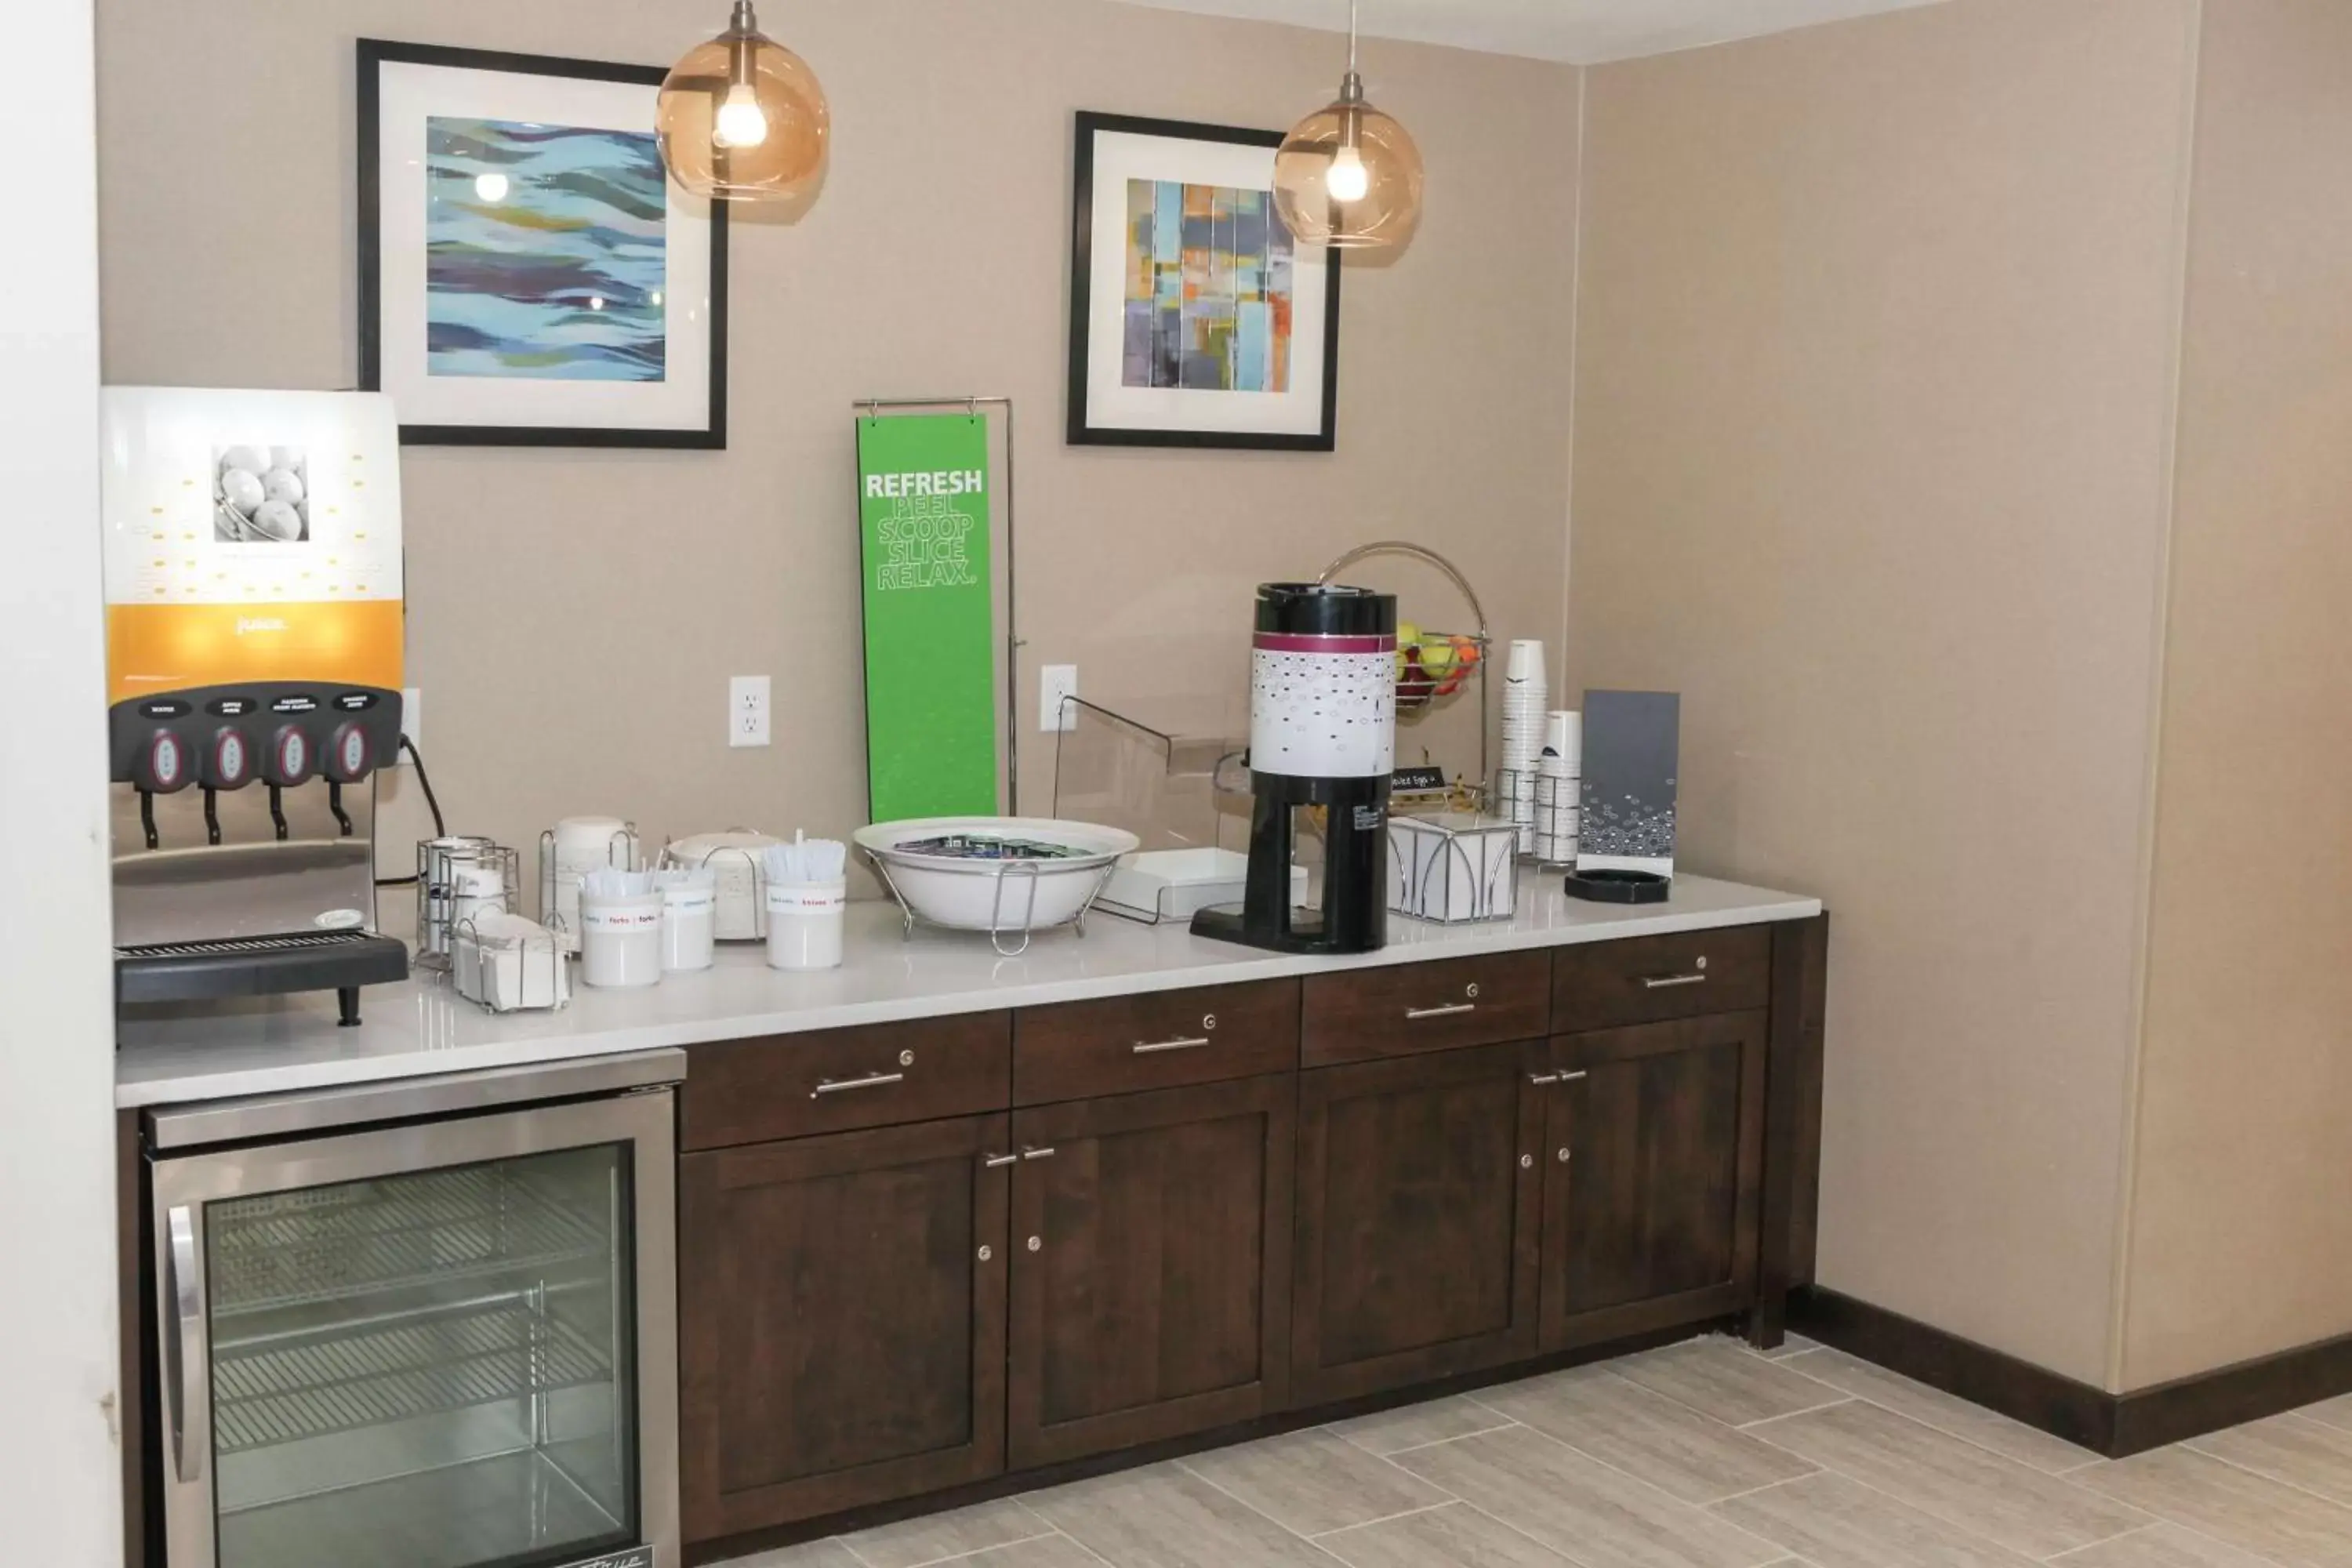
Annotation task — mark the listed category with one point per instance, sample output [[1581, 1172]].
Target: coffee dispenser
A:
[[1322, 736], [253, 590]]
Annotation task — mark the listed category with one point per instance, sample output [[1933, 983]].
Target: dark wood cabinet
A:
[[1409, 1009], [834, 1080], [841, 1321], [915, 1257], [1651, 1176], [1161, 1039], [1419, 1198], [1150, 1260]]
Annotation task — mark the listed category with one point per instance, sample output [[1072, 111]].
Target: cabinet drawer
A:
[[1649, 979], [1077, 1050], [1409, 1008], [790, 1085]]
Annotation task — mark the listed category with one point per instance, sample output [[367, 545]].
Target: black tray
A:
[[337, 961]]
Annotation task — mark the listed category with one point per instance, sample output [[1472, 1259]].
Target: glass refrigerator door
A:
[[434, 1368]]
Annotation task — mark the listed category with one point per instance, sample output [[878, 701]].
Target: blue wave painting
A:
[[544, 254]]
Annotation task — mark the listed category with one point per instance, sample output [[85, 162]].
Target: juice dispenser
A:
[[254, 629]]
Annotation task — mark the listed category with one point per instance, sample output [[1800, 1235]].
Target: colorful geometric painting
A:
[[545, 252], [1208, 288]]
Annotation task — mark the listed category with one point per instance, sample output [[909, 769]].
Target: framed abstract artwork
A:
[[528, 275], [1195, 319]]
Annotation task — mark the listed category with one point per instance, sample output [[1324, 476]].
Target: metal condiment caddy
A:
[[450, 876], [538, 978]]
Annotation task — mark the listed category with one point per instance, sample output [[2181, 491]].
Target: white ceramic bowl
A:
[[995, 895]]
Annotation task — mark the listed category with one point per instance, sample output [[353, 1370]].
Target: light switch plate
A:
[[747, 710], [1055, 682]]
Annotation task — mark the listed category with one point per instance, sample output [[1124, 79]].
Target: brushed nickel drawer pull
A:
[[1156, 1046], [996, 1162], [1541, 1079], [1414, 1015], [1663, 981], [1577, 1077], [826, 1086], [1036, 1153]]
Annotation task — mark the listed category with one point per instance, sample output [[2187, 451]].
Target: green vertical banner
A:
[[930, 616]]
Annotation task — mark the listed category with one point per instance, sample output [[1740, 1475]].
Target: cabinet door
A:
[[1418, 1209], [1651, 1176], [841, 1319], [1150, 1266]]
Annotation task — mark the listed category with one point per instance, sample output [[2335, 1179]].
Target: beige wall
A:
[[936, 261], [1874, 400], [2241, 1227]]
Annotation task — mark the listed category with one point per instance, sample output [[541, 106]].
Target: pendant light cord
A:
[[1351, 36]]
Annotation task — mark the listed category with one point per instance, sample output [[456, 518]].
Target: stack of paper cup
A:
[[1559, 780], [1527, 700]]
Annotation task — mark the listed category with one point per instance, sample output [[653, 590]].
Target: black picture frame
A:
[[373, 54], [1083, 433]]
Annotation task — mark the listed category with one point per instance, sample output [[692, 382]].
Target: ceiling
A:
[[1578, 31]]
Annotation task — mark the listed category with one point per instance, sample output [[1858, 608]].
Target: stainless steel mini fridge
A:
[[423, 1324]]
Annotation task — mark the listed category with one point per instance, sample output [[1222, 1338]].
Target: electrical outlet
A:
[[1055, 682], [412, 722], [747, 710]]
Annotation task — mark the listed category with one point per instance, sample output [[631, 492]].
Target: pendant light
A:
[[741, 118], [1347, 174]]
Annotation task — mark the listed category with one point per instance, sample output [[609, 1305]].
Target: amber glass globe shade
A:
[[741, 118], [1349, 176]]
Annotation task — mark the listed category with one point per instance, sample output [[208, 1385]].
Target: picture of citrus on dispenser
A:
[[261, 495]]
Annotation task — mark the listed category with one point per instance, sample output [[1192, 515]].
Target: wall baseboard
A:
[[2117, 1425]]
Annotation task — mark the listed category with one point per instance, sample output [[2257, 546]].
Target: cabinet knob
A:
[[1563, 1156], [986, 1252], [1036, 1243], [1526, 1162]]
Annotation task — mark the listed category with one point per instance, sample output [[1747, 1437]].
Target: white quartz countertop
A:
[[422, 1025]]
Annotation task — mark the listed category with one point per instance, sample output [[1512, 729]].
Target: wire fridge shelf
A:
[[325, 1244], [282, 1391]]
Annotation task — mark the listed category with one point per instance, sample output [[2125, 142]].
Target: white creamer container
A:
[[569, 851], [690, 925], [804, 923], [621, 940]]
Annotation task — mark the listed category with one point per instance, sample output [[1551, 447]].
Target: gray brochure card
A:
[[1633, 746]]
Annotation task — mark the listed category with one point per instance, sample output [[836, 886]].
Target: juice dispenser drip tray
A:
[[218, 970]]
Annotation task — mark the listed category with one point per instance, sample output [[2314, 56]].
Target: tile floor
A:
[[1703, 1455]]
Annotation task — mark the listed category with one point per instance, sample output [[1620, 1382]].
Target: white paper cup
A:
[[621, 940], [806, 920], [1564, 735], [1527, 659]]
